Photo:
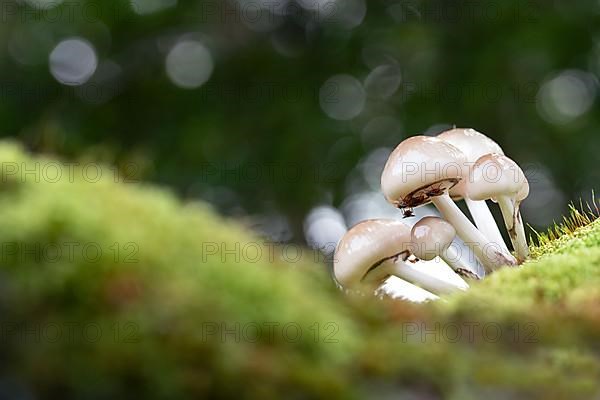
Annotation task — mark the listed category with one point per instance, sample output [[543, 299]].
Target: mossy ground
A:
[[170, 276]]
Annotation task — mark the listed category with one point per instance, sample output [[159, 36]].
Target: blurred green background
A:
[[283, 111]]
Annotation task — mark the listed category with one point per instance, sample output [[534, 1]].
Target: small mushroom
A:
[[373, 250], [475, 144], [497, 177], [432, 237], [423, 169]]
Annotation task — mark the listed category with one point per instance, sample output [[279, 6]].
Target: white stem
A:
[[397, 288], [491, 255], [413, 274], [514, 225], [485, 221], [454, 258]]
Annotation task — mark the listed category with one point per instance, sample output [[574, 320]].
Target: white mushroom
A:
[[432, 237], [475, 144], [423, 169], [373, 250], [497, 177]]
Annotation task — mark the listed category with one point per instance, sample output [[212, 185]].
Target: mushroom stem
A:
[[397, 288], [514, 225], [452, 257], [490, 254], [412, 273], [485, 222]]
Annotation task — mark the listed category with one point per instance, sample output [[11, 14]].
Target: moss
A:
[[178, 294], [170, 305]]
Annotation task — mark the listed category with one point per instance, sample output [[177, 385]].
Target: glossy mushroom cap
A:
[[431, 236], [365, 245], [419, 168], [496, 175], [473, 144]]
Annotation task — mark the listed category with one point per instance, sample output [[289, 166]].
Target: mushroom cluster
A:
[[459, 164]]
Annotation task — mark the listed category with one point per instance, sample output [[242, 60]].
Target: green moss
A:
[[550, 279], [168, 275], [182, 273]]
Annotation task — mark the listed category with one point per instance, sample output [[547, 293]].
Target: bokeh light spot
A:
[[342, 97], [324, 226], [189, 64], [383, 81], [73, 61], [566, 96]]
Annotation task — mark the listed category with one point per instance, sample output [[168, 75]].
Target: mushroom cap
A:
[[496, 175], [366, 244], [473, 144], [430, 236], [419, 168]]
